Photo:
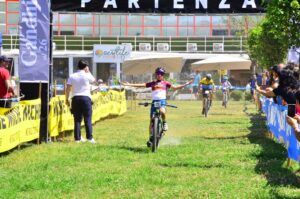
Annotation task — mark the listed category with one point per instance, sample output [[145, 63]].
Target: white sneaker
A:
[[77, 141], [92, 141], [82, 139], [165, 126]]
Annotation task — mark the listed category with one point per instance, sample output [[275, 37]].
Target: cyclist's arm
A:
[[133, 85], [181, 86]]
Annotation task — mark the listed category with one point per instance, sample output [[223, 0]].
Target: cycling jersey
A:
[[226, 85], [207, 84], [159, 89]]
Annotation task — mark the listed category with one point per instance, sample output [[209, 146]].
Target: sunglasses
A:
[[162, 74]]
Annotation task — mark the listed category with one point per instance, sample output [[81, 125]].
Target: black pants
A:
[[82, 107], [5, 103]]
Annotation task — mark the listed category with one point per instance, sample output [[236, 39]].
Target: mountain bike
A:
[[156, 123], [207, 102], [225, 97]]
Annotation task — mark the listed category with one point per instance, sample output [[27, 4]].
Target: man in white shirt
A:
[[79, 82]]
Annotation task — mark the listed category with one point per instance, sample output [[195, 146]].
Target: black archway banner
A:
[[160, 6]]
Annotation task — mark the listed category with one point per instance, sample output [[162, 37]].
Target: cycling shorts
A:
[[162, 105], [207, 87]]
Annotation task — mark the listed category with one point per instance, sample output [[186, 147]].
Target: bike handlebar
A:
[[150, 103]]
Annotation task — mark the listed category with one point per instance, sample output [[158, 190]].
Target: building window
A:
[[152, 21], [219, 32], [202, 21], [66, 19], [84, 19], [135, 20], [152, 31], [2, 18], [201, 31], [2, 7], [13, 7], [84, 30], [169, 31]]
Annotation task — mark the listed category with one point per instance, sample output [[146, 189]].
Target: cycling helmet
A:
[[208, 76], [225, 78], [160, 70]]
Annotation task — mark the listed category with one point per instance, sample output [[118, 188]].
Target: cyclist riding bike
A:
[[226, 85], [159, 94], [207, 84]]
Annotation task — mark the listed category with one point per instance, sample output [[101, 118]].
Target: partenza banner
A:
[[160, 6], [34, 41]]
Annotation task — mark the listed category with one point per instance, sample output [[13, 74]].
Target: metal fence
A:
[[211, 44]]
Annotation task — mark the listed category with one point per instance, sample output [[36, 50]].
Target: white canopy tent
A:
[[148, 63], [222, 62]]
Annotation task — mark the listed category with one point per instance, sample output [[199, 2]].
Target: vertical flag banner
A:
[[34, 41]]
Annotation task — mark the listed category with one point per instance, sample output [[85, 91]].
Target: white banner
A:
[[111, 53]]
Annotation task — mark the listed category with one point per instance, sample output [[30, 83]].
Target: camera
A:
[[291, 110]]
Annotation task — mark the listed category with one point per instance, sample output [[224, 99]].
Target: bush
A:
[[237, 95], [218, 95], [248, 96]]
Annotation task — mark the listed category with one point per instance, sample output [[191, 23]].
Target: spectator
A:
[[287, 84], [252, 83], [295, 121], [195, 84], [6, 88], [81, 106]]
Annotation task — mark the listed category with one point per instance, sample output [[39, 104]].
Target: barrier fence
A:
[[282, 131], [22, 122]]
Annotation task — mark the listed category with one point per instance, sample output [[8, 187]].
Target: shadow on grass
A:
[[18, 148], [134, 149], [272, 156], [191, 165]]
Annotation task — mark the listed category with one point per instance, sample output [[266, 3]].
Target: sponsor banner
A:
[[160, 6], [276, 121], [104, 104], [19, 124], [111, 53], [34, 41]]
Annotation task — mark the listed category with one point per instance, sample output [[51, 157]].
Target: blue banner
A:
[[34, 41], [276, 120]]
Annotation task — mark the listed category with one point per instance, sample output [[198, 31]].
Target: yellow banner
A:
[[19, 124], [104, 104]]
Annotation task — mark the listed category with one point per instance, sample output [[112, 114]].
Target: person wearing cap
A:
[[6, 88], [207, 84], [159, 94], [79, 83]]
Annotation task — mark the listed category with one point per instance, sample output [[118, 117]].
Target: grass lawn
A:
[[226, 155]]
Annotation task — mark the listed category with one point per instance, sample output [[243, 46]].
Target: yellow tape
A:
[[19, 124]]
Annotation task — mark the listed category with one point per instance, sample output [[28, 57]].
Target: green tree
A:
[[269, 42]]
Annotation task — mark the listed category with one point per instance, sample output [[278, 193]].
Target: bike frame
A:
[[156, 123], [225, 97]]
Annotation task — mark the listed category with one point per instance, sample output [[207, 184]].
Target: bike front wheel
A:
[[206, 106], [155, 133]]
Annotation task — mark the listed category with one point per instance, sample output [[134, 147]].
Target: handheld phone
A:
[[291, 110]]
